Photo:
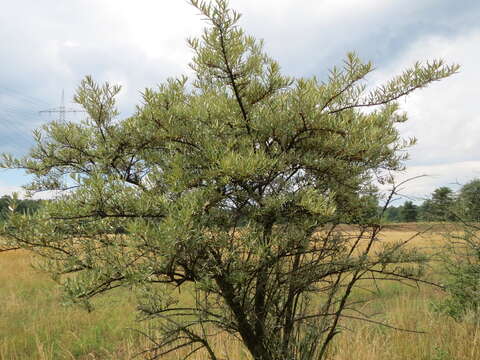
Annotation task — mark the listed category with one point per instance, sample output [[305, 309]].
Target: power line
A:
[[25, 98], [18, 117], [61, 110]]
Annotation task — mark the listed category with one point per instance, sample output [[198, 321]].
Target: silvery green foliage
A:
[[461, 262], [227, 185]]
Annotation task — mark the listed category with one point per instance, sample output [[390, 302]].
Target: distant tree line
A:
[[22, 206], [443, 205]]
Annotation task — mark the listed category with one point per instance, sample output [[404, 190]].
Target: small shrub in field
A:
[[463, 267]]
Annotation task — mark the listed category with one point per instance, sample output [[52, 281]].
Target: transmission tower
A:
[[61, 110]]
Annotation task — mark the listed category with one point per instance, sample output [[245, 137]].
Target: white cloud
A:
[[426, 178], [139, 44], [70, 44], [9, 190], [443, 117], [157, 28]]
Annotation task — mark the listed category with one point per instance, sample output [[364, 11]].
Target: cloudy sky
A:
[[47, 46]]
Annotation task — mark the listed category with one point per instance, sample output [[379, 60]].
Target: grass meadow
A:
[[34, 324]]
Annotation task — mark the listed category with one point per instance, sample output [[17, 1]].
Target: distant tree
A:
[[425, 211], [289, 158], [363, 209], [469, 200], [370, 209], [440, 206], [23, 206], [409, 212], [29, 205], [4, 202], [392, 214]]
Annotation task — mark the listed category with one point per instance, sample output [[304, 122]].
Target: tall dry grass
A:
[[443, 338], [34, 324]]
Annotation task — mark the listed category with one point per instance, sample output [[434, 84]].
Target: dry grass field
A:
[[34, 324]]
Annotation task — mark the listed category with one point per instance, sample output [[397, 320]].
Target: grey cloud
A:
[[307, 44], [424, 179], [53, 45]]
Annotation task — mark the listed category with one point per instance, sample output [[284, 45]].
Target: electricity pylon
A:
[[61, 110]]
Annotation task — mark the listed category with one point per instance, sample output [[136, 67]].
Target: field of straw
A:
[[35, 325]]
